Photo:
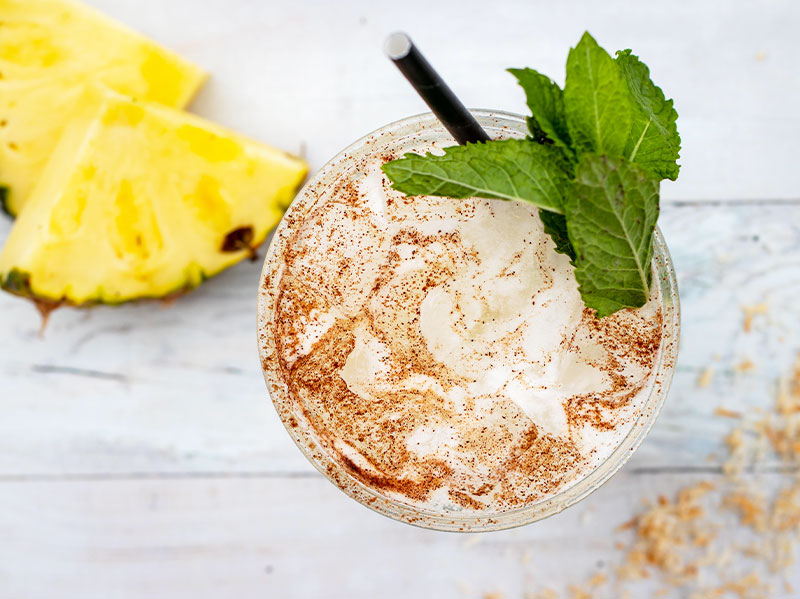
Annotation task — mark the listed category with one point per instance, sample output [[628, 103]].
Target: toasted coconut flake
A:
[[597, 580], [705, 378], [576, 592], [745, 366], [726, 413], [750, 312]]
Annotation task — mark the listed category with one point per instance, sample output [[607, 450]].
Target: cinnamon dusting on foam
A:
[[439, 350]]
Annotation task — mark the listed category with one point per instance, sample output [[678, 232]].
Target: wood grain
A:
[[294, 538]]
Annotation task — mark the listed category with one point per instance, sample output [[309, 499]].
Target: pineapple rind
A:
[[4, 200]]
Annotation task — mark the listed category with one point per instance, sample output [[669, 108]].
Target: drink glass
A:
[[395, 139]]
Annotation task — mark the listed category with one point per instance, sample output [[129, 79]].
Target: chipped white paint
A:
[[139, 456]]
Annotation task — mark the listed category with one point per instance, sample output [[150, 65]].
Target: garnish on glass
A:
[[592, 164]]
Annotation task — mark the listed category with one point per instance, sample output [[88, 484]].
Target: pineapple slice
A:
[[49, 50], [140, 200]]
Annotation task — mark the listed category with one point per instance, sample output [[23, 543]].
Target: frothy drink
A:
[[438, 351]]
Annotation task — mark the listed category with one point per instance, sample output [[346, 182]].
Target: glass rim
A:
[[472, 521]]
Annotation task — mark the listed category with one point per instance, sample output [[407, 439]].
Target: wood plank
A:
[[293, 538], [149, 389], [312, 74]]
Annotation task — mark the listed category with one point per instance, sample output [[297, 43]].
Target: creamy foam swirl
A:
[[440, 351]]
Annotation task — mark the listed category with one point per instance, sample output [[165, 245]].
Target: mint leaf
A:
[[546, 102], [511, 169], [596, 100], [555, 225], [653, 142], [611, 215]]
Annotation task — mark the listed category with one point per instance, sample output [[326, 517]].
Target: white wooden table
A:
[[139, 454]]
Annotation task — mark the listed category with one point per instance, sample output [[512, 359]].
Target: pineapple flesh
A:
[[49, 51], [140, 200]]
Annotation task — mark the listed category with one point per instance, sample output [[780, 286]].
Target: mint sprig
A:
[[592, 164]]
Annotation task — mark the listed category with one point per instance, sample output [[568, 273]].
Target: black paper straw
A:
[[430, 86]]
